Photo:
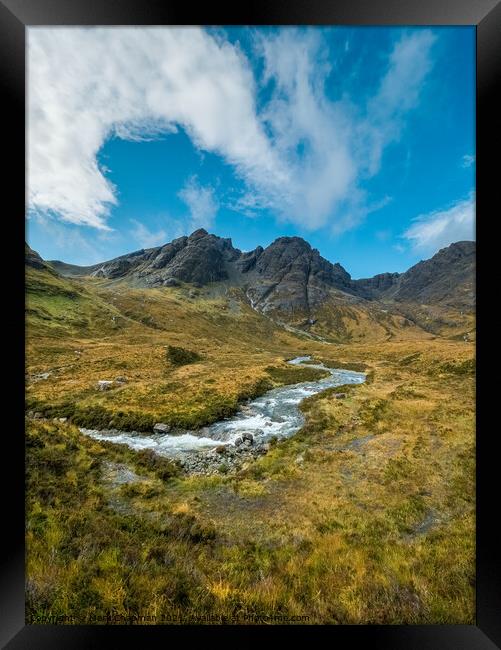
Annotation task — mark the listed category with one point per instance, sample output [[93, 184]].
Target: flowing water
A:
[[274, 414]]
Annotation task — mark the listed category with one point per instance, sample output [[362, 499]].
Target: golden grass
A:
[[365, 516]]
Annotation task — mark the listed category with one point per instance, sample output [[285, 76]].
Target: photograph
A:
[[250, 331]]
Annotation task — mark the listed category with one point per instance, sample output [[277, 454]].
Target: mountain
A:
[[33, 259], [290, 280], [198, 259], [287, 276], [290, 276], [447, 278]]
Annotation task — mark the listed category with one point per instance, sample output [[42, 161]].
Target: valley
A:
[[364, 515]]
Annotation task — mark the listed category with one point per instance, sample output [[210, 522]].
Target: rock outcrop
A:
[[290, 276]]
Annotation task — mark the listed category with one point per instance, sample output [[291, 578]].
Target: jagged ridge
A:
[[289, 276]]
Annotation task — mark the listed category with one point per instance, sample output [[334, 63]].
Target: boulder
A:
[[238, 441], [220, 449], [247, 437], [104, 384], [160, 427]]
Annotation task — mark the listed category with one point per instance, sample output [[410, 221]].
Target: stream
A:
[[275, 414]]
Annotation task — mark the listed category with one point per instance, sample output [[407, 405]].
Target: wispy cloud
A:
[[301, 155], [399, 91], [201, 202], [72, 242], [87, 84], [433, 231], [147, 238], [467, 161]]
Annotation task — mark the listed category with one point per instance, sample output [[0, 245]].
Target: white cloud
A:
[[467, 161], [329, 147], [301, 155], [147, 238], [399, 91], [438, 229], [202, 204], [308, 132], [86, 84]]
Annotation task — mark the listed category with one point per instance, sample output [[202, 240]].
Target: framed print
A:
[[248, 399]]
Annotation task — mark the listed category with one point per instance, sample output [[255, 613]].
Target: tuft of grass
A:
[[289, 374], [178, 356]]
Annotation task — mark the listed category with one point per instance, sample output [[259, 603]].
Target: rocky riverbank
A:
[[225, 458]]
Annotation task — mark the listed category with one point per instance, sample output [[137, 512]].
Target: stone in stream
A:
[[247, 437], [238, 441], [161, 427]]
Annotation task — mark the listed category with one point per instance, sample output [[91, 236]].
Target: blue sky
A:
[[360, 140]]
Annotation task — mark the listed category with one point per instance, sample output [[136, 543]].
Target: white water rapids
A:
[[274, 414]]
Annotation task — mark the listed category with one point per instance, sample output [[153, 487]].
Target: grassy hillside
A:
[[365, 516], [83, 332]]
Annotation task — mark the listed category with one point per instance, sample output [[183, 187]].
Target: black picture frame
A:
[[15, 17]]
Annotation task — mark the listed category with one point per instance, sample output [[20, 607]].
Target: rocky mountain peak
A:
[[291, 276], [288, 276], [198, 234]]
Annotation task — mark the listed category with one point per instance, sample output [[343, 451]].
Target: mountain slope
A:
[[291, 282], [447, 278], [198, 259], [288, 276]]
